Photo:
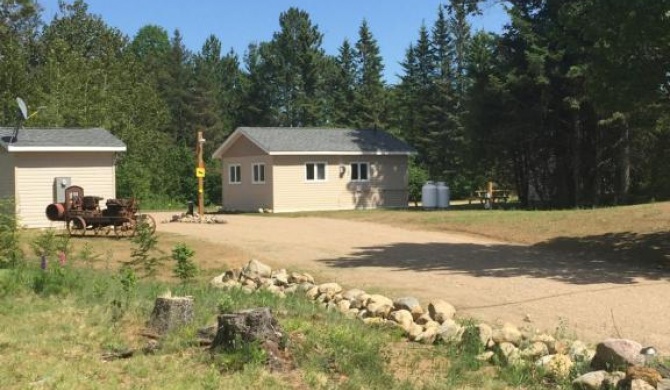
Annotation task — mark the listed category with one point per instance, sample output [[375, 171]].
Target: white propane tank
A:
[[442, 195], [429, 196]]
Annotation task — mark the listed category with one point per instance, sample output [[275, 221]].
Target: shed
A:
[[309, 169], [40, 162]]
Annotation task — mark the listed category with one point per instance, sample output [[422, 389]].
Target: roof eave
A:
[[340, 153], [20, 149]]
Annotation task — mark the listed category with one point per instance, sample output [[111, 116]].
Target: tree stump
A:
[[257, 325], [170, 313]]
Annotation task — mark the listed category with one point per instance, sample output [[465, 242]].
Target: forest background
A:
[[568, 105]]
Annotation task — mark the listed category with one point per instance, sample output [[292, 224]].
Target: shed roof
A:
[[60, 140], [318, 141]]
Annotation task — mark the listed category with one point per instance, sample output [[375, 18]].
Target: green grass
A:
[[56, 339]]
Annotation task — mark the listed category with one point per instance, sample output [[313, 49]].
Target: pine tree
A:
[[370, 92]]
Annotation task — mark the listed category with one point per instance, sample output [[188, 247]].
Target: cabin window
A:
[[258, 173], [234, 174], [360, 171], [315, 171]]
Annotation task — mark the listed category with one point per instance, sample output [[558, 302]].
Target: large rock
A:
[[647, 374], [590, 381], [428, 336], [556, 366], [483, 332], [617, 353], [221, 282], [410, 304], [535, 350], [343, 306], [379, 305], [402, 317], [639, 384], [360, 301], [280, 277], [414, 331], [580, 352], [450, 332], [508, 353], [352, 294], [506, 333], [555, 347], [664, 384], [256, 269], [299, 278], [441, 310], [330, 289], [313, 292]]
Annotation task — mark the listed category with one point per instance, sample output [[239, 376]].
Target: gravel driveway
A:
[[482, 278]]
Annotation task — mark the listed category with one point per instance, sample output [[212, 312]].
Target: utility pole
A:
[[200, 173]]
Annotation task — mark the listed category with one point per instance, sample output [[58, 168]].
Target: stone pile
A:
[[616, 362], [195, 218]]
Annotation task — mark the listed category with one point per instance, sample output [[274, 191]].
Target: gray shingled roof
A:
[[59, 138], [292, 140]]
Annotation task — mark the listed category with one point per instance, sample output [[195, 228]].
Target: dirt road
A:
[[482, 278]]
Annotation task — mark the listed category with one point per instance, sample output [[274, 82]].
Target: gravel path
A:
[[482, 278]]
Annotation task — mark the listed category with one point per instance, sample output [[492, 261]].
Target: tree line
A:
[[568, 105]]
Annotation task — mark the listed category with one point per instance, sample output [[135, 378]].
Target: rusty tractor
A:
[[82, 214]]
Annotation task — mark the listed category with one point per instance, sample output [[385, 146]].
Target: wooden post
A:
[[200, 173]]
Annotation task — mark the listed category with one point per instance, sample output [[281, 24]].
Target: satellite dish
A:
[[22, 107]]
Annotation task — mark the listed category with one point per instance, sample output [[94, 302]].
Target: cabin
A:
[[37, 164], [310, 169]]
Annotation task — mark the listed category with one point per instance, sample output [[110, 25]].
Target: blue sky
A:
[[394, 23]]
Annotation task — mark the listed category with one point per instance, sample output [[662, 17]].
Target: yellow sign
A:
[[200, 172]]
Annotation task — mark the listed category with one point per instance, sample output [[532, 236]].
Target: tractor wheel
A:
[[77, 226]]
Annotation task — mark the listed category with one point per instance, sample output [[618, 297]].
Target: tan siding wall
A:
[[292, 192], [6, 175], [247, 196], [35, 173], [242, 148]]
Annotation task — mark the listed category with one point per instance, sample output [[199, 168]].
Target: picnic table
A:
[[493, 196]]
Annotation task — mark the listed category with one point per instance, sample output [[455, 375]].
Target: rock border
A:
[[195, 218], [616, 363]]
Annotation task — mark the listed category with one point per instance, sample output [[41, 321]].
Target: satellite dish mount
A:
[[22, 117]]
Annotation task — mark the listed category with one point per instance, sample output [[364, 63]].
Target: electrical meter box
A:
[[60, 184]]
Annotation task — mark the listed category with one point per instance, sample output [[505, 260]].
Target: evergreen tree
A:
[[344, 82], [370, 92]]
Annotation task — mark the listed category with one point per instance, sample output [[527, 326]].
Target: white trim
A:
[[253, 173], [316, 179], [307, 153], [19, 149], [239, 178]]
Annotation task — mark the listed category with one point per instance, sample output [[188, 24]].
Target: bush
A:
[[10, 253], [185, 269], [417, 177]]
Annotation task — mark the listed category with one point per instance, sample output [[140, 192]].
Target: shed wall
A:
[[35, 173], [387, 185], [247, 196]]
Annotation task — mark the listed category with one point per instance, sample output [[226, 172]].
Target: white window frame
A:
[[356, 166], [260, 178], [316, 171], [236, 174]]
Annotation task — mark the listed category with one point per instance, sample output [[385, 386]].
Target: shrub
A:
[[145, 256], [185, 269], [10, 253]]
